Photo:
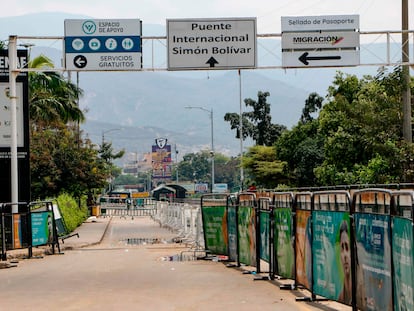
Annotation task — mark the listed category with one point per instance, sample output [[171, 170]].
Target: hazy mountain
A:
[[148, 104]]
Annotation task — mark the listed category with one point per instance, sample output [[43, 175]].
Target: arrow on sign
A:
[[80, 61], [304, 58], [212, 61]]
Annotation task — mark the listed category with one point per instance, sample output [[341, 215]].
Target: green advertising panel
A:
[[215, 229], [42, 228], [264, 236], [303, 248], [332, 256], [373, 256], [284, 243], [247, 237], [232, 232], [403, 260]]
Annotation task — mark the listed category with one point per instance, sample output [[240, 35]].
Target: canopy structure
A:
[[167, 191]]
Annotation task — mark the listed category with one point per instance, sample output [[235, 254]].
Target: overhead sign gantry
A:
[[227, 43]]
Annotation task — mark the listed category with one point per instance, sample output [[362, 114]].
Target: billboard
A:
[[161, 159]]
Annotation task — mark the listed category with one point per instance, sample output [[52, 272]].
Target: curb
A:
[[14, 255], [86, 244]]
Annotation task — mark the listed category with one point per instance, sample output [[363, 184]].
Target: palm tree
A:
[[52, 98]]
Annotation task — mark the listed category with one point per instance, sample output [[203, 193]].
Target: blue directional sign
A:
[[103, 45]]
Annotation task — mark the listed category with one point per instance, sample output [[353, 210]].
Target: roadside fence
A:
[[185, 219], [33, 225], [356, 248]]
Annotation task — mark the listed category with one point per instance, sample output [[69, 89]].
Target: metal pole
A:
[[241, 133], [406, 93], [107, 131], [212, 141], [3, 234], [176, 163], [212, 152], [13, 72]]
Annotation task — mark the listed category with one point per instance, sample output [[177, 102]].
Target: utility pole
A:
[[13, 73], [241, 133], [210, 112], [406, 93]]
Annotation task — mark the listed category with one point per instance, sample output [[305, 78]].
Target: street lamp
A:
[[241, 132], [107, 131], [212, 141], [176, 163]]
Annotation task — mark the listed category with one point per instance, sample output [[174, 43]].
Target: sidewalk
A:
[[90, 233]]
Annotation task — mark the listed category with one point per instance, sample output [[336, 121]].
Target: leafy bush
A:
[[72, 215]]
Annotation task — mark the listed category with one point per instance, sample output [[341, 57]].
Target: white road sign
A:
[[320, 41], [324, 58], [228, 43], [103, 44], [324, 22], [5, 115]]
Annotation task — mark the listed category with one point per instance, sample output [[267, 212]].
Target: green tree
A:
[[302, 146], [52, 98], [107, 152], [302, 150], [312, 105], [257, 123], [362, 129], [227, 171], [195, 167], [60, 163], [263, 167]]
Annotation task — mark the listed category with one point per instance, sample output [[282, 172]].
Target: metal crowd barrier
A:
[[355, 248], [27, 227], [127, 212], [185, 219]]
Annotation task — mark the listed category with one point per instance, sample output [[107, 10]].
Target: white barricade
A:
[[184, 219]]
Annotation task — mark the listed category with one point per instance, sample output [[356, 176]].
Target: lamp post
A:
[[176, 163], [241, 132], [107, 131], [406, 93], [212, 141]]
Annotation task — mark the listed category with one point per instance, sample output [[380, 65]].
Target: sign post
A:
[[103, 45], [320, 41], [14, 126], [228, 43], [13, 121]]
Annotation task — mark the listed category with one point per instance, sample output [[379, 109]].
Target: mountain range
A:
[[132, 109]]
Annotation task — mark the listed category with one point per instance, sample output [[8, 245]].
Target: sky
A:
[[375, 15]]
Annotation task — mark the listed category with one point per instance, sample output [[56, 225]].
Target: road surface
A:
[[125, 273]]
